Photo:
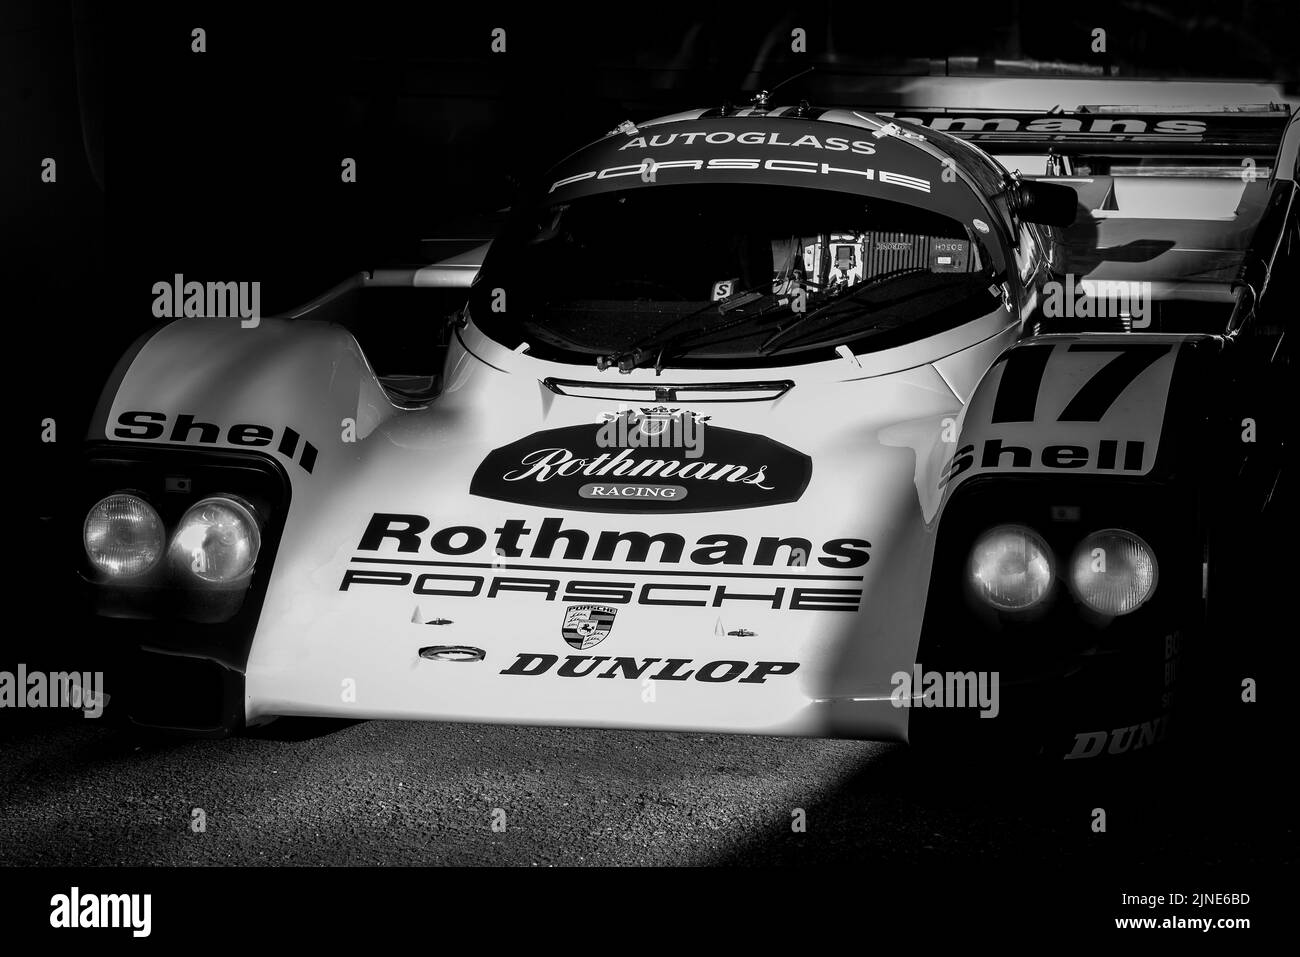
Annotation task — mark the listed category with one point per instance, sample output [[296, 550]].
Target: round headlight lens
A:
[[1011, 568], [123, 535], [216, 541], [1113, 572]]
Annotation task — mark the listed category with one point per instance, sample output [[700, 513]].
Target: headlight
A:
[[1011, 568], [216, 541], [123, 536], [1113, 572]]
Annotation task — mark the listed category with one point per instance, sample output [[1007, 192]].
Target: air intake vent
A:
[[672, 392]]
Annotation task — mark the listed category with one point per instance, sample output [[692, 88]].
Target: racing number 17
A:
[[1017, 396]]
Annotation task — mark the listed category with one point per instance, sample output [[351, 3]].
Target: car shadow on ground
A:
[[1170, 807]]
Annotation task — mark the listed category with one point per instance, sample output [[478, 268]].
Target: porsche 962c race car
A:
[[914, 427]]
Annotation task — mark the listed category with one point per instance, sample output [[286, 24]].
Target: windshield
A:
[[708, 273]]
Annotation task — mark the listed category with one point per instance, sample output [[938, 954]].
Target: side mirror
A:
[[1049, 204]]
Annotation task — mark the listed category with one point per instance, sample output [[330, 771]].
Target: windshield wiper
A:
[[864, 287], [654, 346], [768, 347]]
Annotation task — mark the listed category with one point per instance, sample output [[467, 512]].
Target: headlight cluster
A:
[[1112, 572], [216, 541]]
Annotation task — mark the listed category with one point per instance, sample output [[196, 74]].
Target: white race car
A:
[[756, 420]]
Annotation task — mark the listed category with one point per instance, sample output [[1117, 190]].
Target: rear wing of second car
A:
[[1169, 196], [1122, 140]]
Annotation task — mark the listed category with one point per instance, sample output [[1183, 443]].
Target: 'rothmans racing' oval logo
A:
[[573, 468], [585, 626]]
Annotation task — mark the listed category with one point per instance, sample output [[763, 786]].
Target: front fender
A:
[[1083, 405], [1069, 435]]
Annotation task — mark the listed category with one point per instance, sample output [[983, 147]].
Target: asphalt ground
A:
[[77, 792]]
